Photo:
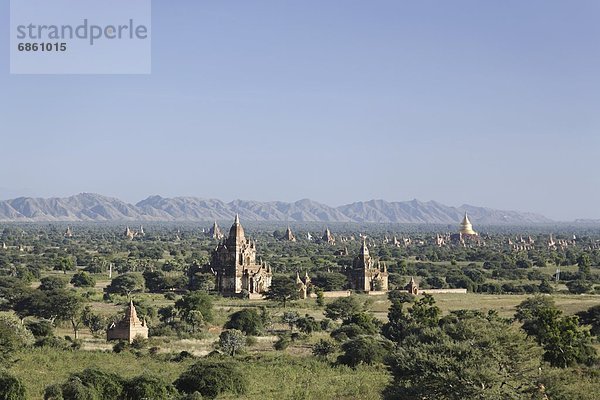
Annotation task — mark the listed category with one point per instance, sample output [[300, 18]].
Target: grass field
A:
[[271, 375], [290, 374]]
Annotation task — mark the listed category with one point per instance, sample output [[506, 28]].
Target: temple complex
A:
[[466, 235], [129, 233], [302, 285], [129, 327], [366, 275], [215, 232], [234, 263], [288, 235], [328, 237], [412, 287]]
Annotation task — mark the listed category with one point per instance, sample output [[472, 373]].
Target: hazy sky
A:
[[490, 103]]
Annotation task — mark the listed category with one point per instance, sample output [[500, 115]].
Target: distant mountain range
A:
[[95, 207]]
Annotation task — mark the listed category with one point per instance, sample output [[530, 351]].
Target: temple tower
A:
[[234, 261], [366, 275]]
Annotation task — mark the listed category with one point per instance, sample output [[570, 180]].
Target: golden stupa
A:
[[466, 228]]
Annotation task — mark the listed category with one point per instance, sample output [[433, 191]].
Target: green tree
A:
[[579, 286], [591, 317], [364, 350], [232, 341], [65, 264], [290, 318], [89, 384], [202, 281], [11, 291], [53, 283], [155, 281], [329, 281], [211, 378], [467, 356], [308, 324], [563, 341], [13, 336], [246, 320], [584, 263], [83, 279], [193, 303], [94, 322], [343, 307], [282, 290], [324, 348], [126, 284], [546, 287]]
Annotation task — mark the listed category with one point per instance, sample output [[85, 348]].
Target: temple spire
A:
[[364, 250]]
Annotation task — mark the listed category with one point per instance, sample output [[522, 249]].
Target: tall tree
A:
[[282, 290]]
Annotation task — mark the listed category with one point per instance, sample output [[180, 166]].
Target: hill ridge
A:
[[94, 207]]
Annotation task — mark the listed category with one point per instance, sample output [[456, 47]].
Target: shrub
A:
[[41, 328], [170, 296], [148, 387], [343, 307], [283, 342], [308, 324], [232, 341], [106, 384], [11, 388], [53, 283], [53, 392], [247, 320], [363, 350], [83, 279], [323, 348], [211, 378], [579, 286]]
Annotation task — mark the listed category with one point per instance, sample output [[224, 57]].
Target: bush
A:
[[41, 328], [343, 307], [53, 283], [170, 296], [283, 342], [148, 387], [247, 320], [90, 384], [53, 392], [308, 324], [120, 346], [106, 384], [579, 286], [211, 378], [232, 341], [364, 350], [11, 388], [54, 342], [83, 279], [324, 348]]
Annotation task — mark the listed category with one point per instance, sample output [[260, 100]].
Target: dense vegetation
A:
[[523, 331]]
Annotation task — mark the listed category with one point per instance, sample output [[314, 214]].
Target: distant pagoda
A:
[[215, 232], [289, 235], [466, 228], [328, 237]]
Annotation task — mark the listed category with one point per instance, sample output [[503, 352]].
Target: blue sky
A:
[[490, 103]]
